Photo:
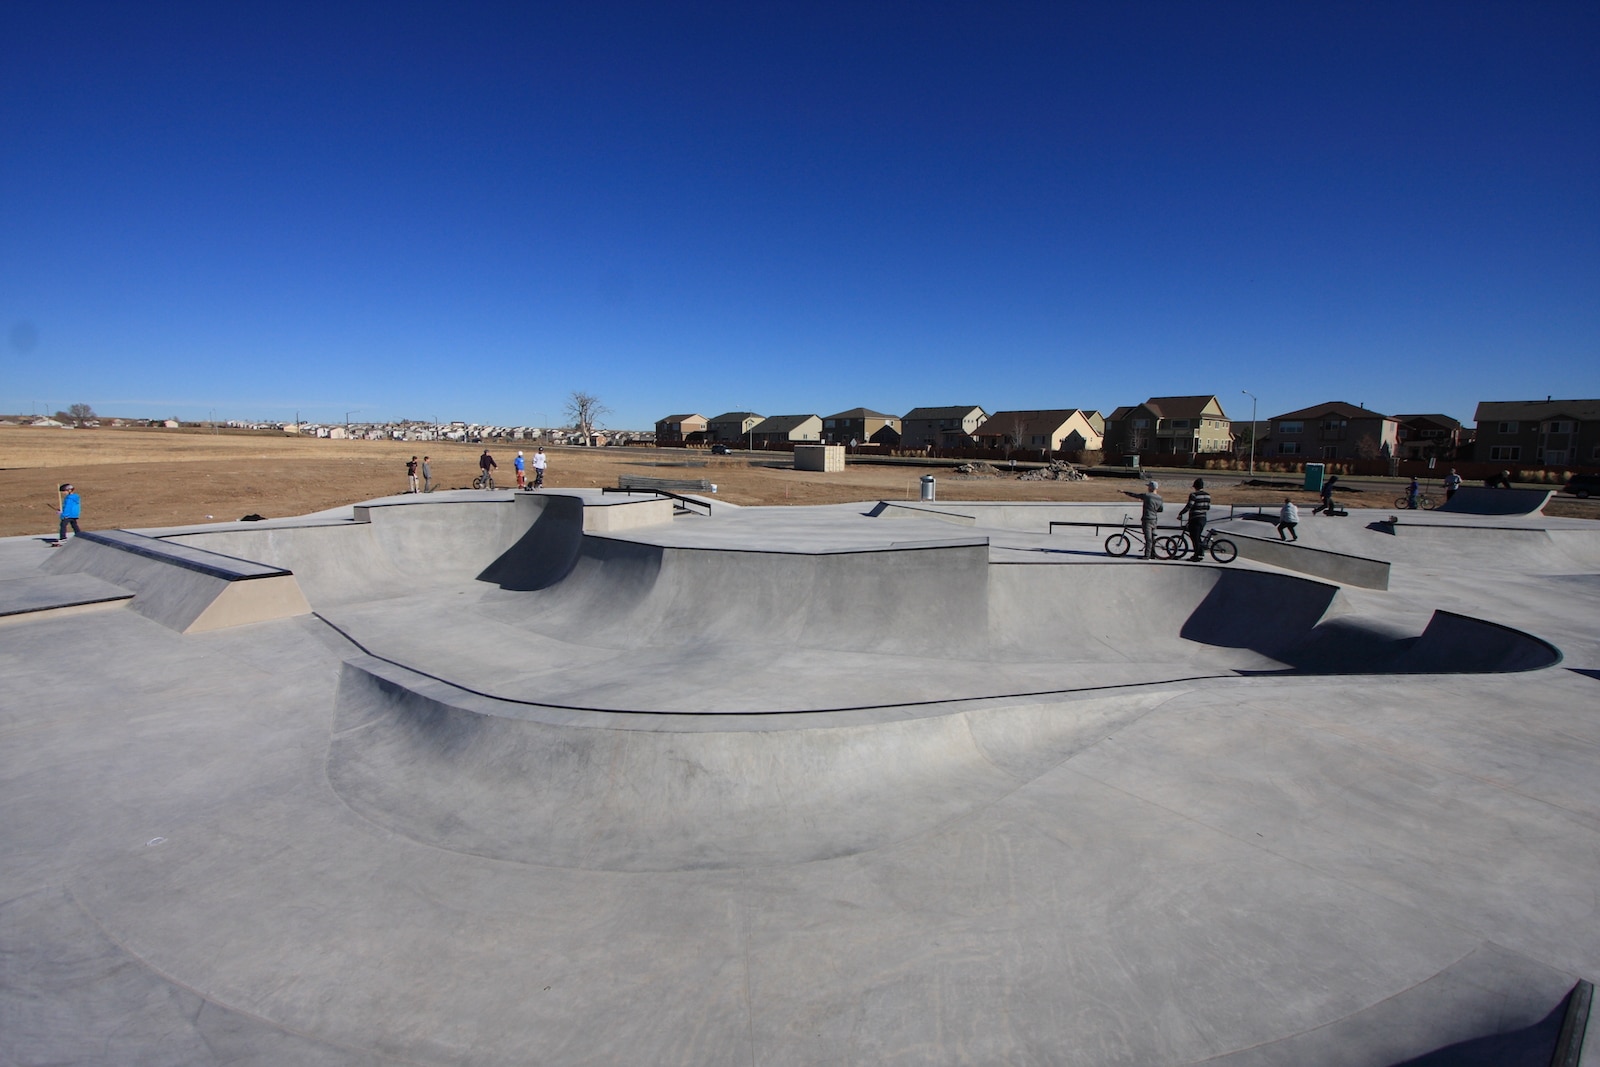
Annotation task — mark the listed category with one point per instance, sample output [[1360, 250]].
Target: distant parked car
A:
[[1583, 486], [721, 450]]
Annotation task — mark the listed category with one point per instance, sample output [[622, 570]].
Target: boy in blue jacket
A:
[[71, 509]]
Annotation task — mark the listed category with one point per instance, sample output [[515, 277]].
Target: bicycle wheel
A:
[[1172, 547], [1118, 544], [1428, 503], [1224, 550], [1402, 502]]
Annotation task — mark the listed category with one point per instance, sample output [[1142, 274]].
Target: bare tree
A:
[[81, 411], [585, 410]]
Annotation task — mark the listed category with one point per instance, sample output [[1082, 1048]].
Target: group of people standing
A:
[[419, 473]]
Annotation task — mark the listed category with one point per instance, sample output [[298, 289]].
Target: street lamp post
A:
[[347, 415], [1252, 397]]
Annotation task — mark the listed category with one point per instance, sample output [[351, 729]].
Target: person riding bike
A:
[[486, 464]]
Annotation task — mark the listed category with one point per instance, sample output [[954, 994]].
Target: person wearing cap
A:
[[71, 511], [539, 462], [1152, 505], [522, 476], [1197, 509]]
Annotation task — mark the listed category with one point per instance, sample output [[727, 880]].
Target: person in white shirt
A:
[[1288, 519], [538, 468]]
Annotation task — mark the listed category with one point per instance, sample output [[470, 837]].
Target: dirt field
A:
[[141, 478]]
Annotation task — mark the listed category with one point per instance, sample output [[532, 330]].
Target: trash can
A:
[[1314, 477], [927, 487]]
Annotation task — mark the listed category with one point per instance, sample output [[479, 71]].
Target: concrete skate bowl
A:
[[602, 715]]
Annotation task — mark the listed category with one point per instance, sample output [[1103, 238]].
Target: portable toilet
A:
[[1314, 477]]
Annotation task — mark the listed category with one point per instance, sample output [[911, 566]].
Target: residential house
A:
[[1170, 426], [787, 430], [732, 427], [675, 430], [1334, 430], [950, 427], [863, 426], [1547, 432], [1054, 430], [1431, 437]]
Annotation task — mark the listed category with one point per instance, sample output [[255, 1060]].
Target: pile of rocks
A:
[[1056, 472], [978, 469]]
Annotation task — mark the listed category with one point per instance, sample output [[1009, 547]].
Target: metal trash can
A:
[[927, 487], [1314, 477]]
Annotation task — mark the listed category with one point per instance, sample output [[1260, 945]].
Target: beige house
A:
[[1170, 426], [680, 429], [1053, 430], [863, 426], [787, 430]]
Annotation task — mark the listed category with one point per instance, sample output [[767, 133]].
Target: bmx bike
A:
[[1423, 501], [1178, 545]]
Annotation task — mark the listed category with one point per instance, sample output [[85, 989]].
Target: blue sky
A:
[[469, 211]]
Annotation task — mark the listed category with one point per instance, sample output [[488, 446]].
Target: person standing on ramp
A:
[[1198, 509], [71, 511], [1152, 507], [539, 462], [522, 471]]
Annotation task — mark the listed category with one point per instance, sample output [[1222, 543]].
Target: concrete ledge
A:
[[184, 588], [914, 511], [1335, 566]]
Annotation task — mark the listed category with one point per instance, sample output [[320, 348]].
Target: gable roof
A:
[[1332, 407], [1042, 422], [1537, 410], [863, 413], [735, 416], [1442, 420], [783, 423], [681, 418], [943, 413], [1183, 407]]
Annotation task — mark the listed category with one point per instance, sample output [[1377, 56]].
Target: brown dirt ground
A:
[[141, 478]]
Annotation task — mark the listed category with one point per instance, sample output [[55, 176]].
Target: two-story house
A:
[[1547, 432], [950, 427], [1430, 437], [732, 427], [677, 430], [787, 430], [863, 426], [1332, 431], [1170, 426]]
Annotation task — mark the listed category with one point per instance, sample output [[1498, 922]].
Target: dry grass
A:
[[138, 478]]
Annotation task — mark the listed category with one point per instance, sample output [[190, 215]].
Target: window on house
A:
[[1501, 452], [1558, 426], [1335, 424], [1288, 448], [1180, 424], [1290, 427], [1506, 427], [1141, 424]]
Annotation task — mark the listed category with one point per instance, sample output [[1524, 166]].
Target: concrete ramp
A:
[[462, 772], [1476, 500], [184, 588]]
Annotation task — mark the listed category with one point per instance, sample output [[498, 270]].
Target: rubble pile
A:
[[978, 469], [1056, 472]]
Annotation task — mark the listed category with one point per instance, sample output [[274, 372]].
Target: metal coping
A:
[[213, 564]]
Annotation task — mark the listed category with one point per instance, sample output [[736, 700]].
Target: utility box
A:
[[1314, 477], [927, 487], [1131, 462], [826, 458]]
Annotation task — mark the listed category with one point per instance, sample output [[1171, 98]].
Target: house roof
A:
[[783, 423], [1123, 412], [1002, 423], [1182, 407], [735, 416], [1537, 410], [681, 418], [863, 413], [1442, 420], [943, 413], [1332, 407]]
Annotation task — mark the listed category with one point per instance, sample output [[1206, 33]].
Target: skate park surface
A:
[[572, 777]]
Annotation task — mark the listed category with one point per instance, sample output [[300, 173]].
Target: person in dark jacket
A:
[[1198, 509]]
